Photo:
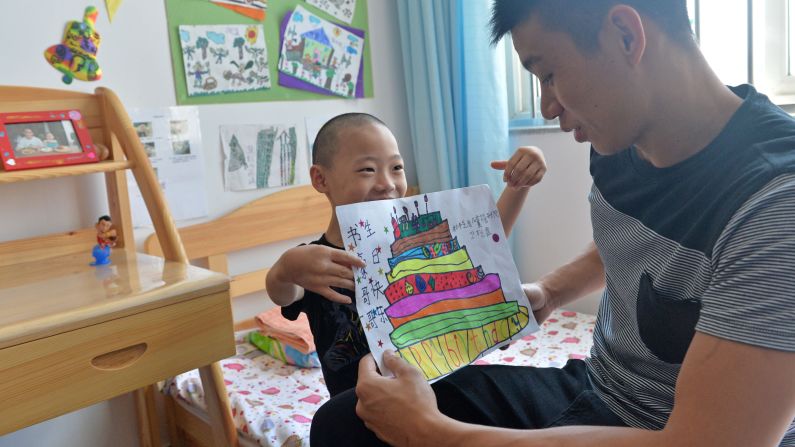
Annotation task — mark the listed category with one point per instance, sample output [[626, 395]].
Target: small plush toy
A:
[[76, 57], [106, 238]]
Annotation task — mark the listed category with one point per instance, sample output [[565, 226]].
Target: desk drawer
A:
[[48, 377]]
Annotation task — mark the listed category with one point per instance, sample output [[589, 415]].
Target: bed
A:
[[272, 403]]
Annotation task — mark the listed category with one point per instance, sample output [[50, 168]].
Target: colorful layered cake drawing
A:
[[445, 310]]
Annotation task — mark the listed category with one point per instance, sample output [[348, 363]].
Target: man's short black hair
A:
[[105, 218], [326, 144], [582, 19]]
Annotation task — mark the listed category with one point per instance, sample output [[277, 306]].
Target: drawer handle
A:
[[119, 359]]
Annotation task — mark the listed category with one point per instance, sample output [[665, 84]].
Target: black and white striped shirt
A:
[[706, 245]]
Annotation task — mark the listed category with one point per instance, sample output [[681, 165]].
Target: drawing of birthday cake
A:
[[445, 310]]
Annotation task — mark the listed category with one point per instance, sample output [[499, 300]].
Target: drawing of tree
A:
[[202, 44], [293, 142], [237, 159], [238, 43], [265, 140]]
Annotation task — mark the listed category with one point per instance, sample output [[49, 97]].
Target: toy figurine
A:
[[106, 238]]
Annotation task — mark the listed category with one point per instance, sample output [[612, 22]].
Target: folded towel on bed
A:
[[294, 333], [283, 352]]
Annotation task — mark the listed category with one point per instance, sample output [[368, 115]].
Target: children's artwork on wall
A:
[[254, 9], [321, 54], [288, 88], [76, 55], [171, 137], [224, 58], [262, 156], [341, 9], [440, 287], [112, 6]]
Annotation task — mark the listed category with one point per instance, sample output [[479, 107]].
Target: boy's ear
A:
[[627, 30], [317, 175]]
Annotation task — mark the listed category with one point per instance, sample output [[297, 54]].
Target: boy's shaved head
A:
[[326, 143]]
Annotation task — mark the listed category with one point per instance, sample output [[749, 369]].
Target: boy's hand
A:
[[525, 168], [319, 268]]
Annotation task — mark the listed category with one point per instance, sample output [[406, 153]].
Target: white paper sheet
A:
[[224, 58], [260, 156], [321, 53], [172, 139], [341, 9], [440, 287]]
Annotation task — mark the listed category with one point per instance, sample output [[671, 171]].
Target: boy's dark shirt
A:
[[339, 337]]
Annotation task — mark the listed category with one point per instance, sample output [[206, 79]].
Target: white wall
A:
[[136, 64], [555, 224]]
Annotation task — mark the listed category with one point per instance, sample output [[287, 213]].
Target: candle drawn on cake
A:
[[445, 311]]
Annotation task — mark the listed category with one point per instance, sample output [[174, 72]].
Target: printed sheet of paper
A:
[[172, 139], [321, 53], [440, 287], [224, 58], [341, 9], [262, 156]]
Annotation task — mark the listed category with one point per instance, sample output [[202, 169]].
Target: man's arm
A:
[[728, 394], [568, 283]]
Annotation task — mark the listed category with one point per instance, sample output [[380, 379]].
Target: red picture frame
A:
[[30, 140]]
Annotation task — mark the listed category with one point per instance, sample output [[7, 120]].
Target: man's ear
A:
[[317, 174], [627, 31]]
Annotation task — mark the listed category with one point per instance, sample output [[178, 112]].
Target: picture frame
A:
[[30, 140]]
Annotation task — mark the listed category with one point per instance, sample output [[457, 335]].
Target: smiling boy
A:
[[356, 159]]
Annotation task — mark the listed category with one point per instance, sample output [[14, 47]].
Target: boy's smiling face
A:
[[366, 166]]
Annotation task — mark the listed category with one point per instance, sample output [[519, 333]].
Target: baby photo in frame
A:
[[31, 140]]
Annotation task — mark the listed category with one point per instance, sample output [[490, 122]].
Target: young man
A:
[[356, 159], [694, 244]]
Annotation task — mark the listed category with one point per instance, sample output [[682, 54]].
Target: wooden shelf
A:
[[63, 171]]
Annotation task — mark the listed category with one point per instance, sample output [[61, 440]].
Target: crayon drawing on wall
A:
[[440, 287], [340, 9], [262, 156], [224, 58], [321, 53]]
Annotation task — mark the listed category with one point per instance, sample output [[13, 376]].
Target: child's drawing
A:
[[262, 156], [224, 58], [440, 287], [341, 9], [321, 53]]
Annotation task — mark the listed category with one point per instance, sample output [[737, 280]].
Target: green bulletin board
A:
[[203, 12]]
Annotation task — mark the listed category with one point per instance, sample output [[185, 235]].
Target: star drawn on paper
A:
[[378, 249], [371, 280], [351, 247], [361, 223], [368, 326], [380, 271], [386, 230], [358, 280], [380, 344]]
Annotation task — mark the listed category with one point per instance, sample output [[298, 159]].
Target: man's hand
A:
[[319, 268], [540, 301], [525, 168], [397, 409]]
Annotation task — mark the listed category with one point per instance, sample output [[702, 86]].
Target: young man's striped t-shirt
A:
[[706, 245]]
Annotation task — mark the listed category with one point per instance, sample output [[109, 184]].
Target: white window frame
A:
[[772, 56], [770, 62]]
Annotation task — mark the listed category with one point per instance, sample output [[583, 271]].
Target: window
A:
[[745, 41]]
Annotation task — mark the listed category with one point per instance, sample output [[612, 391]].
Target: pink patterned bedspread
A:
[[273, 403]]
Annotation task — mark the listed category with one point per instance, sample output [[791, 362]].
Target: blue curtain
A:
[[456, 87]]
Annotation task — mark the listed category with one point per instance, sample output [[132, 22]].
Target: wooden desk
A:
[[72, 335]]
